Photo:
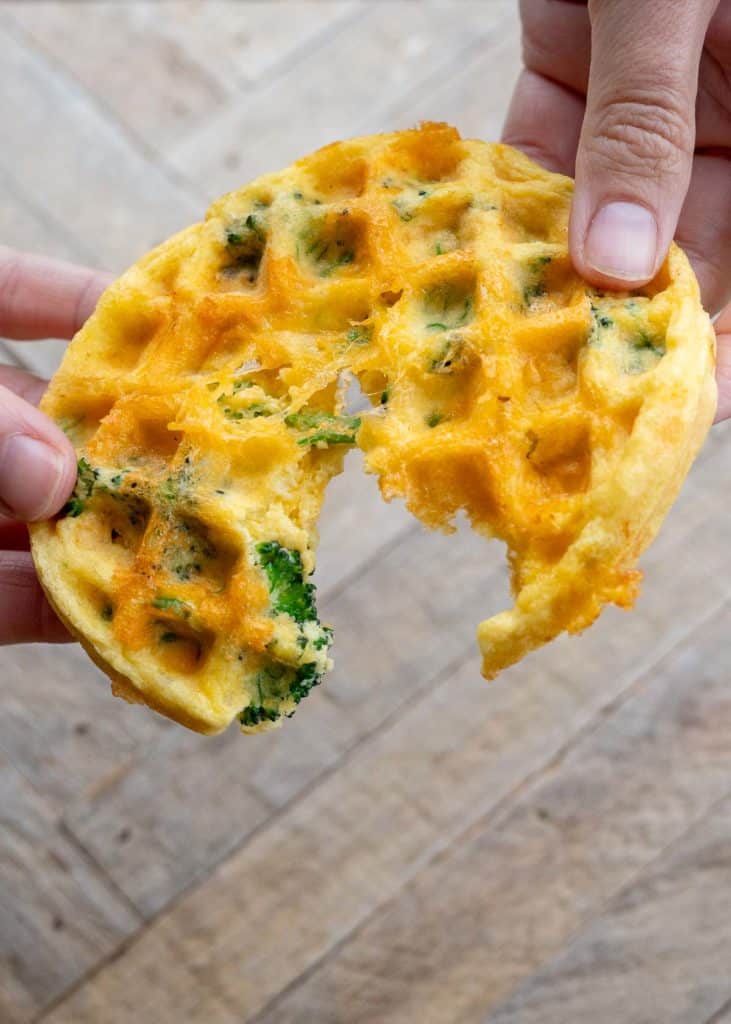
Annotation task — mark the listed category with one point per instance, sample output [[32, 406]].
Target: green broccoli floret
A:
[[289, 592], [245, 242], [325, 427], [85, 479], [254, 714], [279, 686], [307, 677], [291, 595]]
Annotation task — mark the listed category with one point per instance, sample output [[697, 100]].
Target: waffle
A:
[[206, 400]]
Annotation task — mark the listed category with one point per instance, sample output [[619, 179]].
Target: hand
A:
[[39, 298], [633, 98]]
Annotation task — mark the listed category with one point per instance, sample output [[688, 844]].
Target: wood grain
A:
[[393, 49], [672, 926], [354, 841], [59, 722], [68, 915], [87, 174], [485, 915], [415, 845], [163, 69], [27, 227], [419, 631]]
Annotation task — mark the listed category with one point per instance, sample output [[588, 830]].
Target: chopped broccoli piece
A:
[[327, 428], [86, 478], [341, 261], [359, 335], [249, 412], [290, 593], [173, 604], [449, 356], [307, 677], [536, 286], [448, 305], [73, 508], [644, 341], [254, 714], [434, 419], [327, 437], [245, 242]]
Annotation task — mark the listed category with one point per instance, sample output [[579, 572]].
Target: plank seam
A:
[[436, 852], [281, 65], [720, 1013], [60, 71], [122, 896], [431, 854], [433, 83], [336, 766], [606, 905], [14, 187]]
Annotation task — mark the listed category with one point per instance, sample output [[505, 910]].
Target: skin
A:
[[39, 298], [631, 97]]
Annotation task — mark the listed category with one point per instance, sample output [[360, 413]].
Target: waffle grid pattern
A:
[[206, 399]]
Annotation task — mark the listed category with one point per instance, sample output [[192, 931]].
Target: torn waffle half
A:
[[205, 398]]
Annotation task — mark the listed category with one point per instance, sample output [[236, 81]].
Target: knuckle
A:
[[649, 136]]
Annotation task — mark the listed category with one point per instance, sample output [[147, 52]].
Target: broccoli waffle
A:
[[205, 398]]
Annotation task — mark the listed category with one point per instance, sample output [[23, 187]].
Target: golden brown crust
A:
[[436, 271]]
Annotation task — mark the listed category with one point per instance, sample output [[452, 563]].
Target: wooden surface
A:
[[415, 845]]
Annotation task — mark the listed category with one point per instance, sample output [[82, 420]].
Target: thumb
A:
[[636, 148], [37, 461]]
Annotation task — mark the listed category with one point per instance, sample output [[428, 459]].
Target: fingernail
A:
[[31, 473], [622, 242]]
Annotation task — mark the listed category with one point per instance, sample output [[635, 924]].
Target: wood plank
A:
[[61, 725], [419, 631], [473, 93], [86, 175], [354, 524], [353, 841], [391, 49], [29, 228], [485, 915], [163, 69], [58, 915], [662, 950], [722, 1016]]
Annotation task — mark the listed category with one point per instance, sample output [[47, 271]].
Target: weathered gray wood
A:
[[392, 49], [508, 895], [83, 125], [662, 950], [58, 915], [354, 523], [86, 175], [722, 1016], [353, 841], [61, 725], [398, 625], [27, 227], [473, 94], [163, 69]]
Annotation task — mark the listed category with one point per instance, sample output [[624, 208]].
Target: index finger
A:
[[42, 297]]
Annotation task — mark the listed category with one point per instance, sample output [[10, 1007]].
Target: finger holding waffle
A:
[[206, 401]]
